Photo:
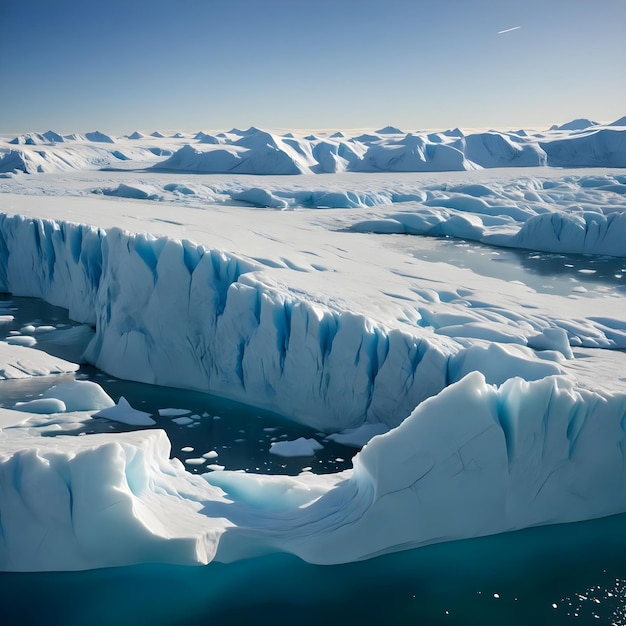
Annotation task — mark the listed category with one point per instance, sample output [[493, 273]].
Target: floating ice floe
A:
[[298, 447], [523, 454], [123, 412], [22, 362]]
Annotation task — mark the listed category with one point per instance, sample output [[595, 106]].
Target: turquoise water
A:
[[567, 574]]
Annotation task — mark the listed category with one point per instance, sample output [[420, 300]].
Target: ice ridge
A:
[[257, 151]]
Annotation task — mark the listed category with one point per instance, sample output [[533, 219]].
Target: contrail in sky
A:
[[508, 30]]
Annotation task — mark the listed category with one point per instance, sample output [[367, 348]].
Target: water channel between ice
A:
[[545, 272], [240, 435]]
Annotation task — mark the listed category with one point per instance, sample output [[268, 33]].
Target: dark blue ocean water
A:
[[568, 574]]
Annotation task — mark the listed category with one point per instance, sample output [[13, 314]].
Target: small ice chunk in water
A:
[[211, 454], [173, 412], [124, 413], [297, 447], [42, 406], [187, 449], [182, 421], [44, 329], [198, 461], [21, 340]]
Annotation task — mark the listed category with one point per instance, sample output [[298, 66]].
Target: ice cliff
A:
[[158, 301]]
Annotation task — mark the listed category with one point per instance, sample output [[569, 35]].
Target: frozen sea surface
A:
[[544, 272]]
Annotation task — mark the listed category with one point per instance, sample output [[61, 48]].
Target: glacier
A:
[[478, 395]]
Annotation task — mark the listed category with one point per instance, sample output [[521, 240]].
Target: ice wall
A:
[[476, 459], [174, 313], [583, 233], [71, 503]]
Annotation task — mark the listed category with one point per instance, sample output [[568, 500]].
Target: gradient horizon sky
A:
[[121, 65]]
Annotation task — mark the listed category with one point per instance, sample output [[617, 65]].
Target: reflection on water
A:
[[545, 272]]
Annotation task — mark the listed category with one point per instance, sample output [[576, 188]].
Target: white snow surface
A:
[[500, 401]]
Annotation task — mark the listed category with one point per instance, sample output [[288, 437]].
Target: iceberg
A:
[[123, 412], [586, 233], [80, 395], [499, 150], [603, 147], [517, 455]]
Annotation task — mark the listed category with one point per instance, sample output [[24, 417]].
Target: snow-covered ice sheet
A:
[[516, 398]]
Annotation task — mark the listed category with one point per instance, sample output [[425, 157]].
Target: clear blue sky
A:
[[121, 65]]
